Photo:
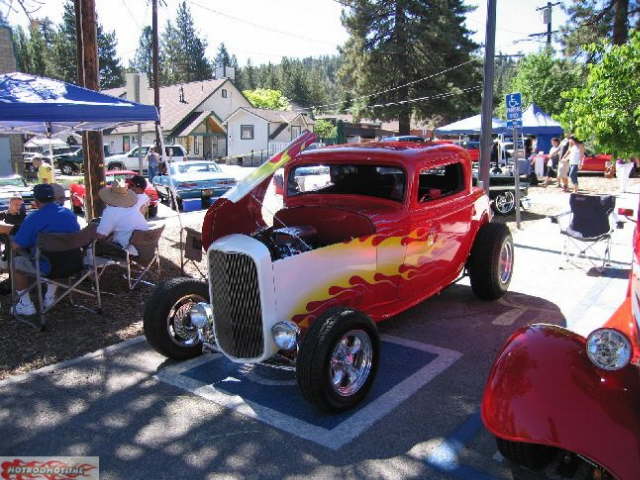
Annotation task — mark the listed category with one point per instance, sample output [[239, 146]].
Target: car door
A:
[[440, 227]]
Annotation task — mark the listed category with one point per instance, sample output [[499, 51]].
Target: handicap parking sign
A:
[[514, 106]]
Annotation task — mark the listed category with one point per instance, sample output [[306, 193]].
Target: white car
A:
[[130, 161]]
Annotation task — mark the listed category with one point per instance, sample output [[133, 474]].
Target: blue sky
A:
[[267, 30]]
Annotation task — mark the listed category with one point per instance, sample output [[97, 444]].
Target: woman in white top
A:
[[121, 216], [576, 157]]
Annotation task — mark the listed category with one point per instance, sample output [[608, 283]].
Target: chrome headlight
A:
[[201, 315], [609, 349], [285, 335]]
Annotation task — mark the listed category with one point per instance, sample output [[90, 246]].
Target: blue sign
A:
[[514, 123], [514, 106]]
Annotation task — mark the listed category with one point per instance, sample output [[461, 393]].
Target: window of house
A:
[[440, 181], [246, 132], [126, 143], [225, 94], [196, 146], [295, 132]]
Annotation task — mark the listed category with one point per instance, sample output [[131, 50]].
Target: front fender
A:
[[543, 389]]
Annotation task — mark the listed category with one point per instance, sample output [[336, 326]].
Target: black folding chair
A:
[[65, 253], [191, 250], [587, 228]]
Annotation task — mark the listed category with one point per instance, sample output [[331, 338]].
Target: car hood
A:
[[9, 190]]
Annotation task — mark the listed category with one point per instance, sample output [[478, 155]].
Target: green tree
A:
[[594, 20], [143, 58], [195, 64], [223, 58], [325, 129], [111, 72], [172, 64], [541, 79], [394, 42], [606, 110], [249, 76], [265, 98]]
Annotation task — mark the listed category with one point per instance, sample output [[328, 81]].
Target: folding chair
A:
[[191, 249], [65, 253], [137, 266], [589, 225]]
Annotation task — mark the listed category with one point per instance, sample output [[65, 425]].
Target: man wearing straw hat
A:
[[120, 217]]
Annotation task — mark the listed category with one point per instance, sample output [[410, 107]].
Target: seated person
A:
[[121, 216], [11, 220], [138, 184], [49, 218], [59, 194]]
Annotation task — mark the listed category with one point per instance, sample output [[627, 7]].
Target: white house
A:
[[259, 132], [191, 114]]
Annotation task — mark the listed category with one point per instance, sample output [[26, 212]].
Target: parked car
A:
[[13, 185], [387, 228], [502, 188], [557, 399], [78, 191], [130, 160], [197, 179], [403, 138], [595, 162], [73, 163], [58, 152]]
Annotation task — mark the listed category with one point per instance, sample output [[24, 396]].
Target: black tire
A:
[[158, 309], [153, 211], [489, 279], [504, 203], [313, 362], [68, 169], [78, 210], [115, 166], [525, 458]]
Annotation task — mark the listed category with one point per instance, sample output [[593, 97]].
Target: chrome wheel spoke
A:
[[351, 362]]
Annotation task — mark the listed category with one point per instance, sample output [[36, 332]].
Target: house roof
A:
[[173, 111], [272, 116], [192, 121]]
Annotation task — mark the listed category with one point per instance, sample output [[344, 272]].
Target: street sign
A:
[[514, 106], [514, 123]]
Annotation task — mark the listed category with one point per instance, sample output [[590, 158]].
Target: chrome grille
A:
[[236, 304]]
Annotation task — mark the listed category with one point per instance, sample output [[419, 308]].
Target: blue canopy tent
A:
[[38, 105], [537, 122], [470, 126]]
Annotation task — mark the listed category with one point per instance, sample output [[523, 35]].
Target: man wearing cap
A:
[[49, 218], [121, 216]]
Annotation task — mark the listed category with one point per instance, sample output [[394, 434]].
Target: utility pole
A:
[[486, 128], [546, 16], [88, 68], [155, 54]]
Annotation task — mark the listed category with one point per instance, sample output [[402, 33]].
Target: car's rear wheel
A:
[[115, 166], [338, 360], [68, 169], [490, 264], [504, 203], [167, 325]]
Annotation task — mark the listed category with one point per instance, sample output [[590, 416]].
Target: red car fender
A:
[[543, 389]]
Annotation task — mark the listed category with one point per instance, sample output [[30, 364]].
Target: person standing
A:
[[552, 162], [576, 157], [153, 161], [563, 164], [44, 170]]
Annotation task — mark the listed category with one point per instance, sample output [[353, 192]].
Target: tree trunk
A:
[[404, 115], [620, 19]]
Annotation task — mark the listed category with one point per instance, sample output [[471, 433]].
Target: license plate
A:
[[207, 193]]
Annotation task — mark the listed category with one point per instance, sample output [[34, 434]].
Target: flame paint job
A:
[[543, 389]]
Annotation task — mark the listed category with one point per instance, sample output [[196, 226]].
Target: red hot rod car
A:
[[557, 400], [365, 232]]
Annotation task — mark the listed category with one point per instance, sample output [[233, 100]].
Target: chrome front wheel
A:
[[351, 362]]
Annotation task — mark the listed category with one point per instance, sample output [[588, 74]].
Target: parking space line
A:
[[345, 431]]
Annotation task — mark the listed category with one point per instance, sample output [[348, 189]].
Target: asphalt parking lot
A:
[[148, 417]]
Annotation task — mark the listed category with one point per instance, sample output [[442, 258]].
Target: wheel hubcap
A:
[[506, 262], [351, 362], [179, 326], [505, 202]]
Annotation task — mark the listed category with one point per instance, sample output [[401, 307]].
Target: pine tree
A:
[[20, 48], [172, 64], [223, 58], [393, 42], [249, 76], [64, 48], [143, 59], [193, 47], [111, 74]]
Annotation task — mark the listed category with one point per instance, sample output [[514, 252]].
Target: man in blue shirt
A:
[[49, 218]]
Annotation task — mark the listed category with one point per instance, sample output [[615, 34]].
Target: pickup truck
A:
[[130, 161]]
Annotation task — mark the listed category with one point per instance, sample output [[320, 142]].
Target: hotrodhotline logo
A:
[[49, 468]]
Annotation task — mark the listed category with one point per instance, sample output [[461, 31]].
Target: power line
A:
[[262, 27], [446, 70]]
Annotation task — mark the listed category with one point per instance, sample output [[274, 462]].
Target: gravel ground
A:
[[72, 332]]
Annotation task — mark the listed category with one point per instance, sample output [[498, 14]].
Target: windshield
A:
[[372, 180], [13, 182], [195, 167]]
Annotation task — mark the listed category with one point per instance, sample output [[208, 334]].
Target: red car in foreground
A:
[[77, 191], [555, 398], [365, 232]]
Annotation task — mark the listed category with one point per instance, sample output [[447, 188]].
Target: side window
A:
[[441, 181], [134, 152], [225, 94], [246, 132]]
